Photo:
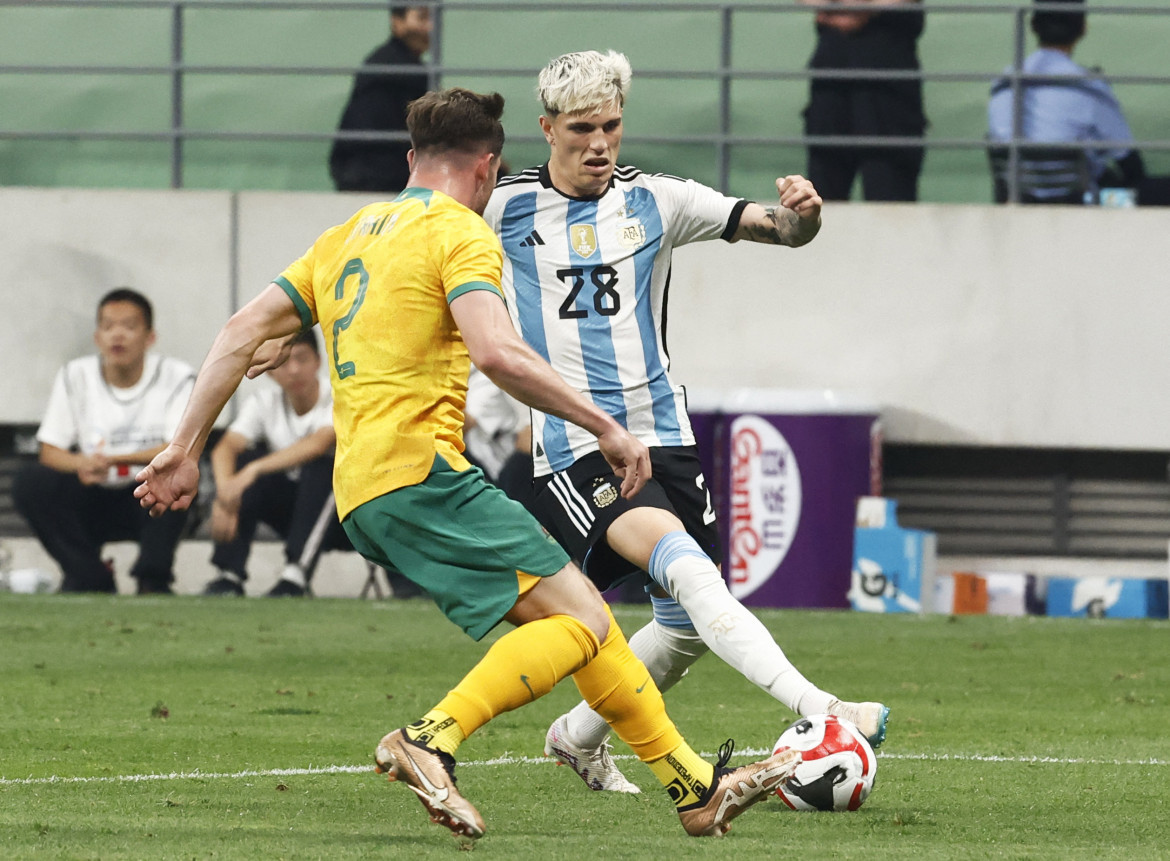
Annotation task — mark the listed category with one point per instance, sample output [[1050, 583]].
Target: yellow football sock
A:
[[684, 773], [436, 729], [619, 688], [523, 665]]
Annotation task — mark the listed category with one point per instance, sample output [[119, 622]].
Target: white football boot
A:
[[870, 718], [595, 766]]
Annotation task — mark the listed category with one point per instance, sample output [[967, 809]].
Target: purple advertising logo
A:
[[765, 502]]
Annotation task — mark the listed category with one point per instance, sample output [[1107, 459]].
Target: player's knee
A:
[[678, 564], [585, 602], [567, 593], [596, 620], [634, 534]]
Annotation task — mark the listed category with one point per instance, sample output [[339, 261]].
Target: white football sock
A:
[[667, 652], [729, 628]]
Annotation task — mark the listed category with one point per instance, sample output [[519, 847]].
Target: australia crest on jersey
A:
[[583, 239]]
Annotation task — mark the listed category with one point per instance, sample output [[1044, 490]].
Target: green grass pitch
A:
[[160, 728]]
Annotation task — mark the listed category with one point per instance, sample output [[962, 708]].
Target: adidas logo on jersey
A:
[[531, 240]]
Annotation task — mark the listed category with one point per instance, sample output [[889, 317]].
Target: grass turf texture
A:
[[117, 687]]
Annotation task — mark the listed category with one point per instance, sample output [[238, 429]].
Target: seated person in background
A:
[[1082, 109], [378, 103], [108, 414], [498, 437], [515, 477], [275, 464]]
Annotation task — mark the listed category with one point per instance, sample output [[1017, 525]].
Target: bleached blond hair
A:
[[584, 81]]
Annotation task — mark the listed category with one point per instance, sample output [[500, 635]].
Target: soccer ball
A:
[[838, 765]]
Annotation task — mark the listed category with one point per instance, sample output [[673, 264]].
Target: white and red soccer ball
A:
[[837, 768]]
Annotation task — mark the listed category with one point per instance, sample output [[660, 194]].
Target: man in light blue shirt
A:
[[1082, 109]]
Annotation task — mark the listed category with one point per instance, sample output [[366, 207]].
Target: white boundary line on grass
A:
[[530, 760]]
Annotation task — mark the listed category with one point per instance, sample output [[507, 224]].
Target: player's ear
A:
[[483, 166], [547, 128]]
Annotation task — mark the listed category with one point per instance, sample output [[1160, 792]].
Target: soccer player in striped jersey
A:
[[407, 292], [587, 248]]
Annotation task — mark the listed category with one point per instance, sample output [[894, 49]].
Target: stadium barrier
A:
[[246, 93]]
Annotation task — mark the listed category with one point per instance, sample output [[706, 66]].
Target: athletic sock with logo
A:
[[436, 729], [680, 566], [618, 686], [685, 774], [666, 651], [521, 666]]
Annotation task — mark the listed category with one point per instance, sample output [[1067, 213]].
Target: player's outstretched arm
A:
[[499, 352], [795, 222], [166, 481], [169, 482]]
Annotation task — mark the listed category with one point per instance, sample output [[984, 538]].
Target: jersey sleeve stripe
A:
[[297, 300], [733, 220], [472, 285]]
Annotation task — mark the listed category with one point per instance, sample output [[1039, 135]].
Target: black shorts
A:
[[578, 504]]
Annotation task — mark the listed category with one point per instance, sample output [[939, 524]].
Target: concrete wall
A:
[[968, 324], [64, 249]]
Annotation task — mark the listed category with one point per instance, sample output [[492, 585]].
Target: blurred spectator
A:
[[856, 39], [108, 415], [275, 465], [498, 436], [378, 103], [1082, 109]]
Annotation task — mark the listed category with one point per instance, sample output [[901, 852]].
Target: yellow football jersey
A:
[[380, 286]]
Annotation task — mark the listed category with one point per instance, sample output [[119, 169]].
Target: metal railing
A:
[[721, 137]]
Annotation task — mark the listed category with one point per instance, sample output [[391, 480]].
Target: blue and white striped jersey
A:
[[586, 282]]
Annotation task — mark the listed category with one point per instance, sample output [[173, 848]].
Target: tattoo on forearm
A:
[[784, 227]]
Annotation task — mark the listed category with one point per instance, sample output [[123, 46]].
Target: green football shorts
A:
[[459, 538]]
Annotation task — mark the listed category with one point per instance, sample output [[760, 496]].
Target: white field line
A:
[[532, 760]]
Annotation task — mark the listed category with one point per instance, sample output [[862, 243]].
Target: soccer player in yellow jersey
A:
[[405, 293]]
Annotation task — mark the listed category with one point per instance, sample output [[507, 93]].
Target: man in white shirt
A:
[[274, 464], [108, 414], [498, 437], [491, 420]]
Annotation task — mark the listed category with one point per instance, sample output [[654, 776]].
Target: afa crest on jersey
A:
[[631, 233]]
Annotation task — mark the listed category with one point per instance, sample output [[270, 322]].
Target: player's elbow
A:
[[492, 357], [242, 333]]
